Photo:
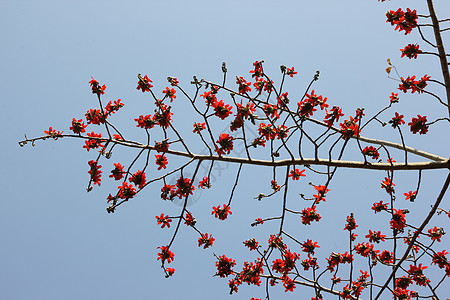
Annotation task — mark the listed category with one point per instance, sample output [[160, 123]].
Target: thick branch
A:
[[442, 163], [391, 144], [441, 50]]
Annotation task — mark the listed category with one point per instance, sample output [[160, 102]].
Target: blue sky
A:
[[58, 242]]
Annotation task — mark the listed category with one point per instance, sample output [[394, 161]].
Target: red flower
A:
[[296, 174], [252, 244], [282, 131], [274, 185], [291, 72], [161, 147], [309, 246], [307, 106], [95, 172], [112, 108], [380, 206], [421, 84], [418, 277], [346, 292], [336, 258], [375, 236], [403, 20], [226, 144], [96, 88], [251, 273], [110, 198], [400, 293], [205, 240], [165, 254], [126, 191], [349, 128], [164, 220], [407, 83], [411, 51], [169, 271], [170, 93], [407, 241], [138, 179], [258, 142], [236, 123], [397, 120], [388, 185], [93, 143], [259, 84], [269, 86], [221, 213], [233, 285], [410, 195], [283, 100], [394, 17], [413, 85], [117, 173], [258, 221], [189, 220], [398, 221], [390, 161], [271, 110], [364, 276], [245, 112], [419, 125], [117, 137], [351, 224], [184, 187], [436, 233], [95, 116], [222, 110], [371, 151], [321, 191], [267, 131], [78, 126], [336, 280], [333, 116], [244, 86], [403, 282], [288, 283], [386, 257], [204, 183], [199, 127], [224, 265], [144, 84], [173, 81], [163, 117], [52, 133], [309, 214], [366, 249], [276, 241], [168, 192], [258, 71], [145, 122], [311, 262], [161, 161], [440, 260], [394, 97], [210, 98], [357, 289]]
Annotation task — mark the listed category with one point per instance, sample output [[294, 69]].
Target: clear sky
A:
[[58, 242]]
